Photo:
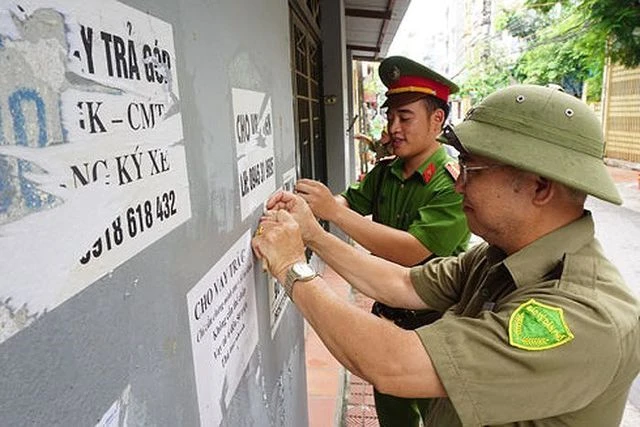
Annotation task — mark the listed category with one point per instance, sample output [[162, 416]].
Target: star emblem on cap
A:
[[395, 73]]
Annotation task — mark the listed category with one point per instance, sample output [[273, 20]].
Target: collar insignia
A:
[[537, 326], [453, 169], [428, 173]]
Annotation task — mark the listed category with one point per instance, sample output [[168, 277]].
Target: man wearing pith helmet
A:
[[416, 211], [539, 328]]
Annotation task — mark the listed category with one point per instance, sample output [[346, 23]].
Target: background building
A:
[[621, 113]]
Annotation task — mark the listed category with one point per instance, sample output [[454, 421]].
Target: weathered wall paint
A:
[[120, 347]]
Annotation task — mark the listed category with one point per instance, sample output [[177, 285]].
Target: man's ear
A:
[[545, 189], [438, 117]]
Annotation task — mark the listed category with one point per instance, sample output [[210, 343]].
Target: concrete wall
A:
[[112, 340], [335, 85], [340, 167]]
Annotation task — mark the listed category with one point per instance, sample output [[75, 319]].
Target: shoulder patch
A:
[[453, 169], [537, 326], [428, 173]]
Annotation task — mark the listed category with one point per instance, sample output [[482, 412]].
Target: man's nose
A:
[[393, 125]]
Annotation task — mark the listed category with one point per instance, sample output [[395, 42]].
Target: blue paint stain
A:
[[1, 42], [30, 192], [15, 106], [5, 197]]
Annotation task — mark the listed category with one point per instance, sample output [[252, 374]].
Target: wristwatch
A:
[[300, 271]]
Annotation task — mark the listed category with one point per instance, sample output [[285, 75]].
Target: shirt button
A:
[[484, 293], [401, 185]]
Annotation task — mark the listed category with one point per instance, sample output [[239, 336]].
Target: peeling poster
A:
[[92, 157]]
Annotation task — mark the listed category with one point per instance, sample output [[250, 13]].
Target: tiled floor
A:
[[325, 376], [332, 390], [360, 406]]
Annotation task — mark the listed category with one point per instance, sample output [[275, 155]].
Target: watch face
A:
[[303, 270]]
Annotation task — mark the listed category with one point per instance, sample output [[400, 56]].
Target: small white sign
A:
[[253, 125], [224, 329]]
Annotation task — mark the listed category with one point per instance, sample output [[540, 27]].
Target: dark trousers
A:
[[398, 411]]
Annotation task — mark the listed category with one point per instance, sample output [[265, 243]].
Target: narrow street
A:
[[618, 230]]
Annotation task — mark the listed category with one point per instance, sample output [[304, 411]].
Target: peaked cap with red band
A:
[[407, 81]]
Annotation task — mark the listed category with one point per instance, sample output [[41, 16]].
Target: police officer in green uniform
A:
[[539, 328], [416, 211], [415, 208]]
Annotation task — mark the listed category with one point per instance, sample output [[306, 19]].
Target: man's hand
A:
[[367, 139], [278, 242], [299, 210], [382, 147], [318, 197]]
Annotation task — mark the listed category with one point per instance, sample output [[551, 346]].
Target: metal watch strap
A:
[[292, 277]]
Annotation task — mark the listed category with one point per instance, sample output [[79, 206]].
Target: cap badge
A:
[[395, 73]]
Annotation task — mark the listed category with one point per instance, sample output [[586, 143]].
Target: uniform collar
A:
[[536, 261], [424, 171]]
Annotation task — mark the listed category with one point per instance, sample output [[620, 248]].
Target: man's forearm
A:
[[394, 362], [386, 242], [373, 276]]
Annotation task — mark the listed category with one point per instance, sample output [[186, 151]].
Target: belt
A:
[[404, 318]]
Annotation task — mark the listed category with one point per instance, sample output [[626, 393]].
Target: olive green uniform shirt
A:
[[425, 204], [583, 381]]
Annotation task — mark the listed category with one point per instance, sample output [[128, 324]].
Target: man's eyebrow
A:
[[401, 111]]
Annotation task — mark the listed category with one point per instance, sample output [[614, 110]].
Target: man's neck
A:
[[548, 223], [411, 164]]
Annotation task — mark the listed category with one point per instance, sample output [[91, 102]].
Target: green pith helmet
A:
[[541, 130]]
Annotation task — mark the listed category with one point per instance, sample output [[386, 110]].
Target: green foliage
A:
[[615, 23], [563, 53], [620, 20], [564, 42], [373, 84], [488, 75]]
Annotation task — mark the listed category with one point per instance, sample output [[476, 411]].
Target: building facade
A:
[[138, 142], [621, 113]]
